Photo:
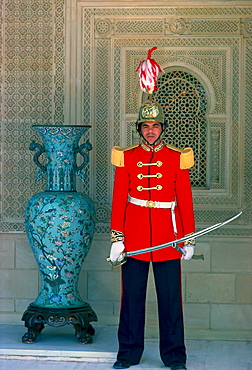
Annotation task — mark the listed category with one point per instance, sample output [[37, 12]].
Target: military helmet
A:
[[150, 111]]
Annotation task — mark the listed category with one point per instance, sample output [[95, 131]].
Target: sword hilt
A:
[[198, 257], [181, 250], [117, 263]]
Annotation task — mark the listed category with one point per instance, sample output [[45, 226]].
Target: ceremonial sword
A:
[[174, 243]]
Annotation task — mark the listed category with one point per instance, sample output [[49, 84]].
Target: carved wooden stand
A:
[[35, 319]]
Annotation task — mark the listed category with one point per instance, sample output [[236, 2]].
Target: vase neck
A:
[[60, 178], [60, 144]]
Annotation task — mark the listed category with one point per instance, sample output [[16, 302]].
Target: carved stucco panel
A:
[[216, 59], [73, 62]]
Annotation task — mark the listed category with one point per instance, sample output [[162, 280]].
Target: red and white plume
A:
[[148, 73]]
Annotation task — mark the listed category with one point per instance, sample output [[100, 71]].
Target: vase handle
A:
[[83, 149], [40, 149]]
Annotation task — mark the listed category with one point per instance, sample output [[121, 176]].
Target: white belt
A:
[[157, 204]]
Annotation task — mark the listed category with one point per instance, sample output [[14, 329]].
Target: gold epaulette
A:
[[117, 154], [186, 156]]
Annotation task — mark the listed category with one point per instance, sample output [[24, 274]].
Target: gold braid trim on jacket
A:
[[190, 242], [116, 236]]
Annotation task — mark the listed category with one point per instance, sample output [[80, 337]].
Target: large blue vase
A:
[[60, 222]]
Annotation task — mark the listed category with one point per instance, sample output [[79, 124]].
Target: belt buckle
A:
[[150, 203]]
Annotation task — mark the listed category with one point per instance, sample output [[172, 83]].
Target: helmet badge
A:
[[150, 111]]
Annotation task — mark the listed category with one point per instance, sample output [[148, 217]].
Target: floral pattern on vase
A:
[[60, 221]]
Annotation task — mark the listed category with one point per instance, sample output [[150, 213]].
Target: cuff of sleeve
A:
[[190, 242], [117, 236]]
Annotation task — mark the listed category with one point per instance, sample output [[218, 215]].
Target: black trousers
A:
[[167, 275]]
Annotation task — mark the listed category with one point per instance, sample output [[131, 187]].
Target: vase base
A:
[[36, 318]]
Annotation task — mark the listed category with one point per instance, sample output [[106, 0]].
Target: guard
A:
[[152, 204]]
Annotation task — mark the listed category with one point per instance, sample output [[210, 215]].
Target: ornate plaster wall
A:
[[73, 62]]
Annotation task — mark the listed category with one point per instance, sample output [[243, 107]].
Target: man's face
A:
[[151, 131]]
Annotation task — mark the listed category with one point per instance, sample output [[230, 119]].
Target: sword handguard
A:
[[117, 263]]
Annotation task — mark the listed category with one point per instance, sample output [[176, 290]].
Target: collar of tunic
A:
[[150, 148]]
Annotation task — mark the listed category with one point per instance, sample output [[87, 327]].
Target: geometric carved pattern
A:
[[216, 156], [103, 26], [59, 81], [248, 131], [228, 51], [139, 26], [248, 25], [225, 180], [213, 26], [28, 86], [184, 104], [216, 58], [101, 121], [208, 40], [211, 63]]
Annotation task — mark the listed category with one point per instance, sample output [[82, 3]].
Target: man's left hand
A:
[[189, 252]]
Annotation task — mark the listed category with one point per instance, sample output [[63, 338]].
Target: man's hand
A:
[[189, 252], [116, 251]]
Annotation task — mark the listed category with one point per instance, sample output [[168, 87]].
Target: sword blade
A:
[[181, 240]]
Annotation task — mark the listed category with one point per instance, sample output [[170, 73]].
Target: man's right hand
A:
[[116, 251]]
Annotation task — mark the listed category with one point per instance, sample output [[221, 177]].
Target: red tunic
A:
[[145, 227]]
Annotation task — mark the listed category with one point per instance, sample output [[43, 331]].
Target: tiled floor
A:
[[59, 349]]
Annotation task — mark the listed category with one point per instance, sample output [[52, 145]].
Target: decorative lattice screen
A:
[[184, 102]]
